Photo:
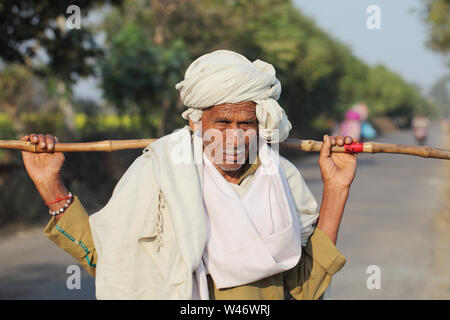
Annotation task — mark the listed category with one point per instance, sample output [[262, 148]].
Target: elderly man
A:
[[210, 211]]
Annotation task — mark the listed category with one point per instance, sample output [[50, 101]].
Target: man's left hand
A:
[[337, 169]]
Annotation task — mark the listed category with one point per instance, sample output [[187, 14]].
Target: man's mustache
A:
[[234, 151]]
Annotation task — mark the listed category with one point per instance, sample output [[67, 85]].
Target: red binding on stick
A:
[[354, 147]]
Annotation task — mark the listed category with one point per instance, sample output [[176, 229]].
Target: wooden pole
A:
[[106, 145], [296, 144]]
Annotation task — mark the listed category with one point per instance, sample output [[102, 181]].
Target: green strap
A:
[[81, 244]]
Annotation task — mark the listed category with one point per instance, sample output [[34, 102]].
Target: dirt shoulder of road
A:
[[440, 286]]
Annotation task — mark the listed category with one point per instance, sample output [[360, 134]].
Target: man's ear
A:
[[195, 126]]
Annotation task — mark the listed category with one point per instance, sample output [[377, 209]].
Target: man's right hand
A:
[[44, 169]]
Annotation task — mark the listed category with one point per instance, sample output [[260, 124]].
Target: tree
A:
[[34, 34], [20, 92], [320, 76], [29, 27], [438, 17], [140, 77], [440, 95]]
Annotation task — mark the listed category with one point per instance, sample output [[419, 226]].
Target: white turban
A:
[[227, 77]]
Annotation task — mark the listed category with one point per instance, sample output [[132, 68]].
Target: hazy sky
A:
[[399, 44]]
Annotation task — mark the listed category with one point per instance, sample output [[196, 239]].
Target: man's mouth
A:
[[232, 156]]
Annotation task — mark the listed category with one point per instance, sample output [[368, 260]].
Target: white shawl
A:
[[253, 236], [151, 234]]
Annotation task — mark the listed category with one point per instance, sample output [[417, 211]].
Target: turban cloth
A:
[[227, 77]]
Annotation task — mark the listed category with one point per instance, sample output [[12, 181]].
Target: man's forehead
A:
[[247, 108]]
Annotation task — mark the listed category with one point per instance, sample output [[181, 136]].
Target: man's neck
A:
[[246, 170], [232, 176]]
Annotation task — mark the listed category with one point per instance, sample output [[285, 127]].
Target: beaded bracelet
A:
[[68, 202]]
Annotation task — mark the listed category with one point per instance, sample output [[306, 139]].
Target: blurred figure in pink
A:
[[367, 131], [356, 124], [351, 126]]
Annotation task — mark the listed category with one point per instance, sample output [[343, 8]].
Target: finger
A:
[[325, 151], [355, 140], [50, 142], [339, 141], [34, 138], [25, 138], [42, 143], [333, 141], [348, 140]]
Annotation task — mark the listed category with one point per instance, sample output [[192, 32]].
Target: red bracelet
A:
[[59, 199]]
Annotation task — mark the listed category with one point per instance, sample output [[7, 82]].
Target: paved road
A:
[[32, 267], [387, 222]]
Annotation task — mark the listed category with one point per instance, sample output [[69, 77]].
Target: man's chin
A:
[[230, 167]]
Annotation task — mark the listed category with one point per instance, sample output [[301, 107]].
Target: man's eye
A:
[[222, 121]]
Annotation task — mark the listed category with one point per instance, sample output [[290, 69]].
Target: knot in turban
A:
[[227, 77]]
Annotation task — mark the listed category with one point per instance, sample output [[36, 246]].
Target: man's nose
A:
[[235, 137]]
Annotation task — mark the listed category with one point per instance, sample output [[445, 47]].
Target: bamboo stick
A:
[[106, 145], [373, 147], [296, 144]]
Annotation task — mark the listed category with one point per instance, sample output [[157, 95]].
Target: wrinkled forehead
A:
[[240, 111]]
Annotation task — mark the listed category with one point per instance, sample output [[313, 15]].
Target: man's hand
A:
[[338, 171], [44, 169]]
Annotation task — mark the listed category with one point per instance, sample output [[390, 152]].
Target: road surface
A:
[[388, 223]]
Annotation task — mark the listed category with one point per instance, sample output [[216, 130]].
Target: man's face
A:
[[229, 130]]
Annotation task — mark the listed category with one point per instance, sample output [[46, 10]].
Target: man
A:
[[210, 211]]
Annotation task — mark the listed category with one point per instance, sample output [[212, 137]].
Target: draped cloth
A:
[[227, 77], [132, 262], [147, 248], [254, 236]]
